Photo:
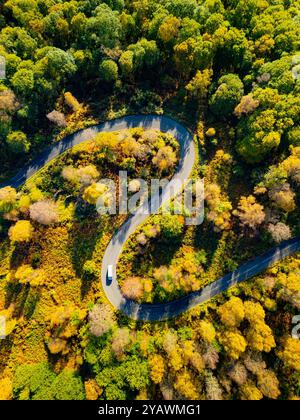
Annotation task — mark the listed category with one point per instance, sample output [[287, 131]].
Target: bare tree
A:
[[101, 319], [211, 357], [133, 288], [283, 197], [213, 388], [279, 232], [120, 341], [250, 213], [8, 102], [247, 105], [57, 118], [238, 373], [44, 212]]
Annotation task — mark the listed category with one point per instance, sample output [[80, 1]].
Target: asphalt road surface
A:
[[162, 311]]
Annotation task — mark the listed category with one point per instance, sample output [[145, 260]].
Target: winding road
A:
[[162, 311]]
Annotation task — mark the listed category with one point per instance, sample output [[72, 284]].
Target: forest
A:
[[227, 70]]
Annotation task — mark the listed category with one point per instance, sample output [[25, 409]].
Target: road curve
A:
[[162, 311]]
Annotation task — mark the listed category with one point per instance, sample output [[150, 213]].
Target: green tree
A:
[[119, 380], [109, 71], [104, 28], [8, 199], [33, 382], [145, 54], [78, 25], [228, 94], [190, 28], [232, 48], [171, 226], [126, 63], [245, 10], [17, 142], [54, 63], [280, 76], [17, 41], [67, 386], [193, 54], [257, 135], [23, 82], [182, 8]]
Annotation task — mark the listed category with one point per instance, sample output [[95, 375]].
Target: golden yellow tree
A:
[[94, 192], [72, 102], [259, 337], [249, 391], [175, 359], [291, 353], [234, 343], [232, 312], [191, 356], [185, 386], [268, 384], [25, 274], [254, 311], [168, 30], [92, 390], [259, 334], [219, 208], [198, 86], [165, 159], [22, 231], [5, 389], [130, 147], [206, 331], [157, 368]]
